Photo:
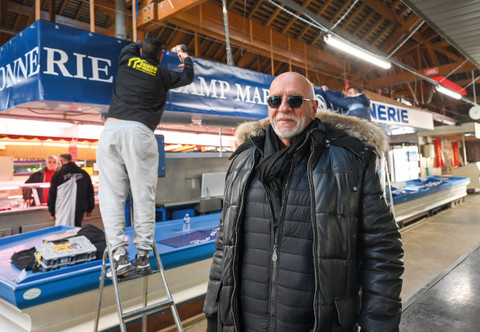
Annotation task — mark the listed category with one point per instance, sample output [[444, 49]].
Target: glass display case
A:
[[11, 195], [27, 166], [15, 215]]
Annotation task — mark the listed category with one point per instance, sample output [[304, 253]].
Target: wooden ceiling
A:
[[274, 36]]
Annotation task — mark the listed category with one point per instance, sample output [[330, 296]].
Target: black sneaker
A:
[[142, 264], [122, 265]]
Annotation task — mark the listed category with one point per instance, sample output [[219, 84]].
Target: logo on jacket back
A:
[[143, 66]]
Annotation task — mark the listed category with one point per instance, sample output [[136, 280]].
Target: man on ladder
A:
[[127, 153]]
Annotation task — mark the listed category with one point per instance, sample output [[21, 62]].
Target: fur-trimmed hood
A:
[[361, 129]]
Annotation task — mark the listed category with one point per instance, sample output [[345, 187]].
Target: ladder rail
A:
[[100, 289], [161, 271], [143, 312]]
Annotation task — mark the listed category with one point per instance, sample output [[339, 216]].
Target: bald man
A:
[[305, 228]]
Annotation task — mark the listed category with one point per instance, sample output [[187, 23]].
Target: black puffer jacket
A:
[[356, 242]]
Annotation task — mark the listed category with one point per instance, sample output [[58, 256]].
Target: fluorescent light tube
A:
[[353, 50], [448, 92]]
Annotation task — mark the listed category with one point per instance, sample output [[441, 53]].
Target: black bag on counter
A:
[[25, 259], [96, 236]]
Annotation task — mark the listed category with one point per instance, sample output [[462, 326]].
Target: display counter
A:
[[16, 217], [414, 198], [71, 292]]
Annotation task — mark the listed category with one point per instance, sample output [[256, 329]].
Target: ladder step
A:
[[134, 276], [147, 310]]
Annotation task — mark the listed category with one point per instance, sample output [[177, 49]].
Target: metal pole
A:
[[464, 151], [221, 147], [120, 28], [227, 36]]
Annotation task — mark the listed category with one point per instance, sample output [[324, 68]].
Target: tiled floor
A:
[[431, 245]]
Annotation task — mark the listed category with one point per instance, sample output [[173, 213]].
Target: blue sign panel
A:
[[63, 67], [57, 63]]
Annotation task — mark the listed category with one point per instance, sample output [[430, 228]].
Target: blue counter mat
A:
[[415, 189], [191, 238], [71, 280]]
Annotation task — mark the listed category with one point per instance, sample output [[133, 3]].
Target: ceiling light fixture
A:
[[448, 92], [356, 51]]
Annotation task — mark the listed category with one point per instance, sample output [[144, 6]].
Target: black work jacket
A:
[[356, 247], [85, 192], [141, 86]]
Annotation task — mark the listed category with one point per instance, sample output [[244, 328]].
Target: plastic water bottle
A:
[[186, 223]]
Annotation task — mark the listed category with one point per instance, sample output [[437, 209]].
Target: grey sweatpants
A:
[[127, 157]]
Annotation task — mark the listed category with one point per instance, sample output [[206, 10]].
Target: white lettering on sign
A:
[[57, 58], [56, 64], [213, 88], [218, 89], [244, 95], [21, 69]]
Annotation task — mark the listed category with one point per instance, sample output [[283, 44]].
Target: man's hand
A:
[[324, 87], [182, 55], [52, 218]]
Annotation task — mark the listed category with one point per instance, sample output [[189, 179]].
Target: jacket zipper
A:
[[314, 237], [237, 229], [276, 239]]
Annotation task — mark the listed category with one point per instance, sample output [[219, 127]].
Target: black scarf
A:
[[275, 165]]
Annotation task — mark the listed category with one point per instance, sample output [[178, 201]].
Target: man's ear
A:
[[141, 52], [315, 109], [160, 57]]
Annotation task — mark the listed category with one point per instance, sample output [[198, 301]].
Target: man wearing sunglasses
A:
[[305, 228]]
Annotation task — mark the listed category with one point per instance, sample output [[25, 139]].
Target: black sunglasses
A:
[[293, 101]]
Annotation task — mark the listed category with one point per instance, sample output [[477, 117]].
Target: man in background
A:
[[354, 103], [71, 194], [43, 175], [127, 153]]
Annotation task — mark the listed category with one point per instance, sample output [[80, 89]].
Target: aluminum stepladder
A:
[[146, 309]]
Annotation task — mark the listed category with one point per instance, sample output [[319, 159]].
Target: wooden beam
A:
[[365, 21], [428, 43], [169, 8], [257, 42], [419, 65], [3, 22], [245, 59], [273, 16], [414, 95], [400, 34], [34, 11], [403, 78], [22, 9], [51, 9], [92, 15], [152, 12], [384, 10], [254, 9], [294, 19]]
